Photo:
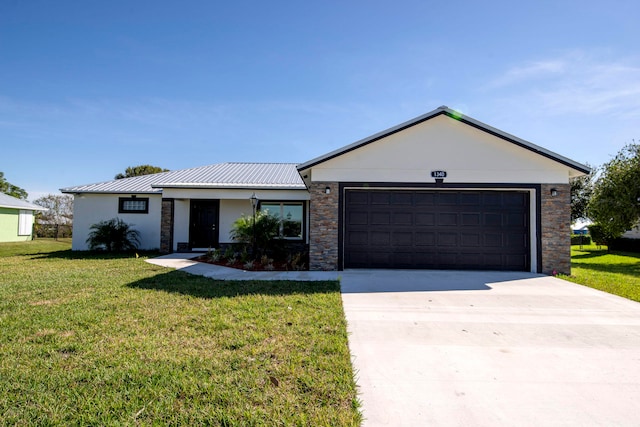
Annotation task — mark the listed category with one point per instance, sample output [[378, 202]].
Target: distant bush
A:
[[625, 244], [599, 235], [580, 239]]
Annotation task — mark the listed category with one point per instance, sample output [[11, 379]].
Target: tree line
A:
[[610, 195]]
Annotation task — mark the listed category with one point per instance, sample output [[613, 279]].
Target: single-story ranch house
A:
[[441, 191], [16, 219]]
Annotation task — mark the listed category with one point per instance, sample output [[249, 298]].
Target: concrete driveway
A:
[[444, 348]]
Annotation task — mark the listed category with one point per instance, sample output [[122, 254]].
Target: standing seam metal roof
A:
[[220, 175], [7, 201]]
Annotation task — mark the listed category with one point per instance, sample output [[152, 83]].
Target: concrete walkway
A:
[[447, 348], [183, 262]]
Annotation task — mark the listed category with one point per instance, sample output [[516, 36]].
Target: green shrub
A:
[[267, 228], [580, 239], [625, 244], [599, 235], [113, 235]]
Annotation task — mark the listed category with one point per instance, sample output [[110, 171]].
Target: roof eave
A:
[[25, 208], [230, 186], [72, 191]]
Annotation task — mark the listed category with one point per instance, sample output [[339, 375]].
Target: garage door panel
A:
[[515, 220], [447, 239], [403, 238], [380, 218], [357, 218], [424, 198], [380, 198], [402, 218], [492, 219], [447, 198], [425, 238], [492, 240], [470, 219], [357, 198], [447, 219], [470, 240], [425, 218], [436, 229], [401, 198], [380, 238], [358, 238]]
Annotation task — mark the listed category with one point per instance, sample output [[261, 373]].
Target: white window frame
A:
[[25, 223]]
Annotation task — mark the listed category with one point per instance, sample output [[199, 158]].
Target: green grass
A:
[[113, 340], [617, 272]]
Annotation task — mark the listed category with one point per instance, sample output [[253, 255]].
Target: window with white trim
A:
[[291, 216], [25, 223]]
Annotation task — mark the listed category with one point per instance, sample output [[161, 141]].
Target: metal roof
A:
[[221, 175], [7, 201], [456, 116]]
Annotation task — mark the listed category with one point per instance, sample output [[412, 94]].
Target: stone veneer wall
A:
[[323, 226], [555, 219], [166, 226]]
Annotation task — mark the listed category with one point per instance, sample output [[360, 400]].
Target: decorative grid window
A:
[[291, 216], [133, 205]]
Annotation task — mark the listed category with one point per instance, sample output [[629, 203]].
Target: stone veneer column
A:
[[555, 220], [323, 226], [166, 226]]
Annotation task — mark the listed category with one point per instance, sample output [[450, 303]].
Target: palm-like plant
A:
[[113, 235], [264, 228]]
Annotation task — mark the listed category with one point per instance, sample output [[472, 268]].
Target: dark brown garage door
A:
[[484, 230]]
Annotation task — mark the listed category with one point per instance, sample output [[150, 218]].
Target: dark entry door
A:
[[473, 230], [203, 230]]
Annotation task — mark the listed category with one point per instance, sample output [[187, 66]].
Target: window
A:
[[291, 216], [25, 223], [133, 205]]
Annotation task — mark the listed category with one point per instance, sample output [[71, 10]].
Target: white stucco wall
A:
[[89, 209], [467, 154]]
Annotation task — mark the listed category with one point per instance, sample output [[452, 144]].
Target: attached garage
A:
[[477, 230], [441, 191]]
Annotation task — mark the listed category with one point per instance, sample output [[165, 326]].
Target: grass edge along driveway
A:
[[617, 273], [105, 340]]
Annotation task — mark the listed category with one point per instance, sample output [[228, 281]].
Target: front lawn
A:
[[100, 340], [616, 272]]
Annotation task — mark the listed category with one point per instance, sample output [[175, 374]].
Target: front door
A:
[[203, 229]]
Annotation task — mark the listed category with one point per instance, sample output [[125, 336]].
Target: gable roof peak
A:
[[459, 117]]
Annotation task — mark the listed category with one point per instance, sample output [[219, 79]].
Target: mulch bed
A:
[[277, 265]]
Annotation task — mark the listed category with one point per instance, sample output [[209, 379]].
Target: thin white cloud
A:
[[530, 71], [576, 84]]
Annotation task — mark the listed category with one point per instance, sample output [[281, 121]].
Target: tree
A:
[[615, 202], [7, 188], [581, 190], [140, 170], [58, 218], [113, 235]]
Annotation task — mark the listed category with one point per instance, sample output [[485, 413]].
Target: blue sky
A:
[[88, 88]]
